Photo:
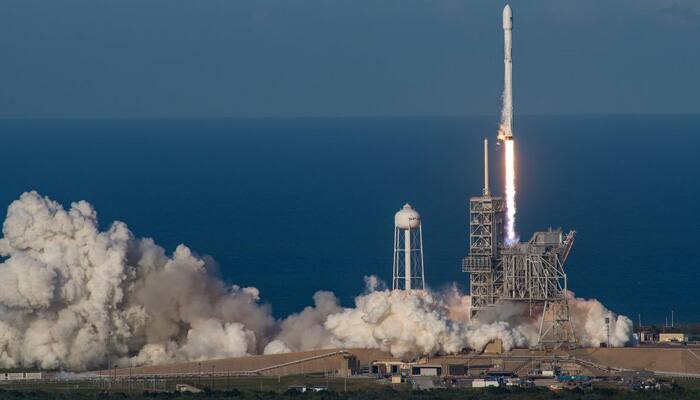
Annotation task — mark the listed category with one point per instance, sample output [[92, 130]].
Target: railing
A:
[[477, 264]]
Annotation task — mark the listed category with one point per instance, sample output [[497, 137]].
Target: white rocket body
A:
[[506, 129]]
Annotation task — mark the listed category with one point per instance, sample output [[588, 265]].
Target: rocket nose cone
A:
[[507, 17]]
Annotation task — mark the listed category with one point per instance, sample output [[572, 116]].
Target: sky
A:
[[282, 58]]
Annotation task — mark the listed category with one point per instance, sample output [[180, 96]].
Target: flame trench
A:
[[511, 236]]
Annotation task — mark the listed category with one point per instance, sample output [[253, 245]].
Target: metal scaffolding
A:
[[485, 238], [531, 272]]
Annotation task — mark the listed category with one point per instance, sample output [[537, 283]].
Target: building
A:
[[21, 376], [673, 338], [647, 337], [426, 370], [494, 347]]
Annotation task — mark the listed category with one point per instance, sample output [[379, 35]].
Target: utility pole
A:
[[671, 319], [639, 316], [640, 321]]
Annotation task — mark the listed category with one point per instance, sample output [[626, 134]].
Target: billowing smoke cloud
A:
[[75, 297], [411, 324], [589, 323], [305, 330]]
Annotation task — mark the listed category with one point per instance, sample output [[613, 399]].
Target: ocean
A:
[[292, 206]]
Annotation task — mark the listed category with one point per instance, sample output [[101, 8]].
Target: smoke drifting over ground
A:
[[74, 297]]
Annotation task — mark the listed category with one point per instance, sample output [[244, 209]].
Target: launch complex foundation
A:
[[594, 362]]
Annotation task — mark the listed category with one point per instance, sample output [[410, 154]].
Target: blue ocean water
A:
[[292, 206]]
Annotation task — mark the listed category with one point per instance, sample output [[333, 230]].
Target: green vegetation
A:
[[218, 384], [272, 387], [380, 393]]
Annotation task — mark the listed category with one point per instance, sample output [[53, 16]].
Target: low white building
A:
[[672, 337], [484, 383], [21, 376]]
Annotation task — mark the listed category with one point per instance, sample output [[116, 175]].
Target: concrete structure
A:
[[336, 362], [185, 388], [484, 383], [531, 272], [21, 376], [390, 366], [680, 361], [408, 271], [494, 347], [426, 370], [647, 337]]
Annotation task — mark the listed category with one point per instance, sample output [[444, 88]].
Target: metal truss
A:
[[485, 238]]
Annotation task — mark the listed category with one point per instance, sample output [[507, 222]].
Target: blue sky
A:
[[230, 58]]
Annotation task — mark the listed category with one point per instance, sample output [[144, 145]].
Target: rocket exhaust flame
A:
[[511, 236]]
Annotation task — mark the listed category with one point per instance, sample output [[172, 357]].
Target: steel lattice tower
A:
[[485, 238], [531, 272]]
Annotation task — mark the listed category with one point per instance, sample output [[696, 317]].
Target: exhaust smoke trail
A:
[[511, 236]]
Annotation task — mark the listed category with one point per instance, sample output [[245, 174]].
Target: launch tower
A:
[[485, 238], [530, 272]]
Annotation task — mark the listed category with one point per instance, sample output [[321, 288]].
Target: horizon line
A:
[[357, 116]]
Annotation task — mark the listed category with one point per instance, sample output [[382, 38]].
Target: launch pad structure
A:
[[531, 272]]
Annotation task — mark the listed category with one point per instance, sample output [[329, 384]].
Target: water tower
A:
[[408, 250]]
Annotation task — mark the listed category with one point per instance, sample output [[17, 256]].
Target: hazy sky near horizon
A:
[[201, 58]]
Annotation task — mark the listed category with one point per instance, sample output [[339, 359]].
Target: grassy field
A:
[[260, 388], [689, 384], [262, 383]]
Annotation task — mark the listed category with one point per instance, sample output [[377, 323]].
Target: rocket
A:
[[505, 132]]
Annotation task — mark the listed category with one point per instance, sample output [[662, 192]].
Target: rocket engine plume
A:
[[511, 236]]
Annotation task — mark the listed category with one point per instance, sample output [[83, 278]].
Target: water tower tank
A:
[[407, 218]]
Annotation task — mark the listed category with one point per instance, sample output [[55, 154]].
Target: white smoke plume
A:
[[305, 330], [416, 323], [589, 323], [75, 297]]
